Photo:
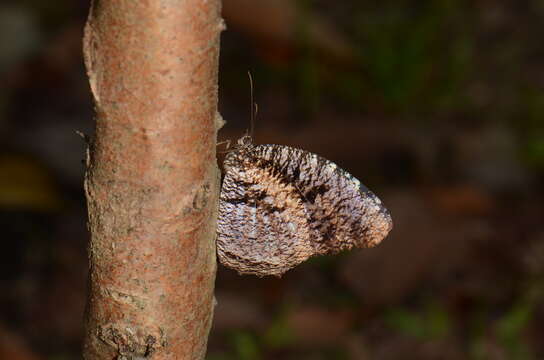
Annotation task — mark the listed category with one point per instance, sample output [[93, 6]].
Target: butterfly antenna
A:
[[253, 110]]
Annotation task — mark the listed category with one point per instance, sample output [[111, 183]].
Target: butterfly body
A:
[[280, 205]]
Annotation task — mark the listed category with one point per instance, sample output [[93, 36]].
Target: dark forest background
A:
[[437, 106]]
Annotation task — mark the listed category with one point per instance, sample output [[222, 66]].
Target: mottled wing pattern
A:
[[263, 224], [281, 205], [342, 212]]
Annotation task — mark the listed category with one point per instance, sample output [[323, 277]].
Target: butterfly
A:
[[281, 205]]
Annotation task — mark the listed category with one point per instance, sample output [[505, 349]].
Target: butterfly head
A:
[[237, 157], [244, 142]]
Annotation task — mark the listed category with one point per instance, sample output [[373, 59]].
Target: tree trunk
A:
[[152, 180]]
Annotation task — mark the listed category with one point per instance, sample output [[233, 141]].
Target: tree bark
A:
[[152, 180]]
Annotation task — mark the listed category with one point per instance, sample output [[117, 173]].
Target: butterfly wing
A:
[[281, 205], [263, 224], [342, 213]]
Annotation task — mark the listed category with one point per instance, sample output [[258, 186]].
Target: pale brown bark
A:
[[152, 181]]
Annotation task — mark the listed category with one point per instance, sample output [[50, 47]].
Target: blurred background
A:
[[437, 106]]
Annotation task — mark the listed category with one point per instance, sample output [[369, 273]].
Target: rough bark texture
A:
[[152, 181]]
